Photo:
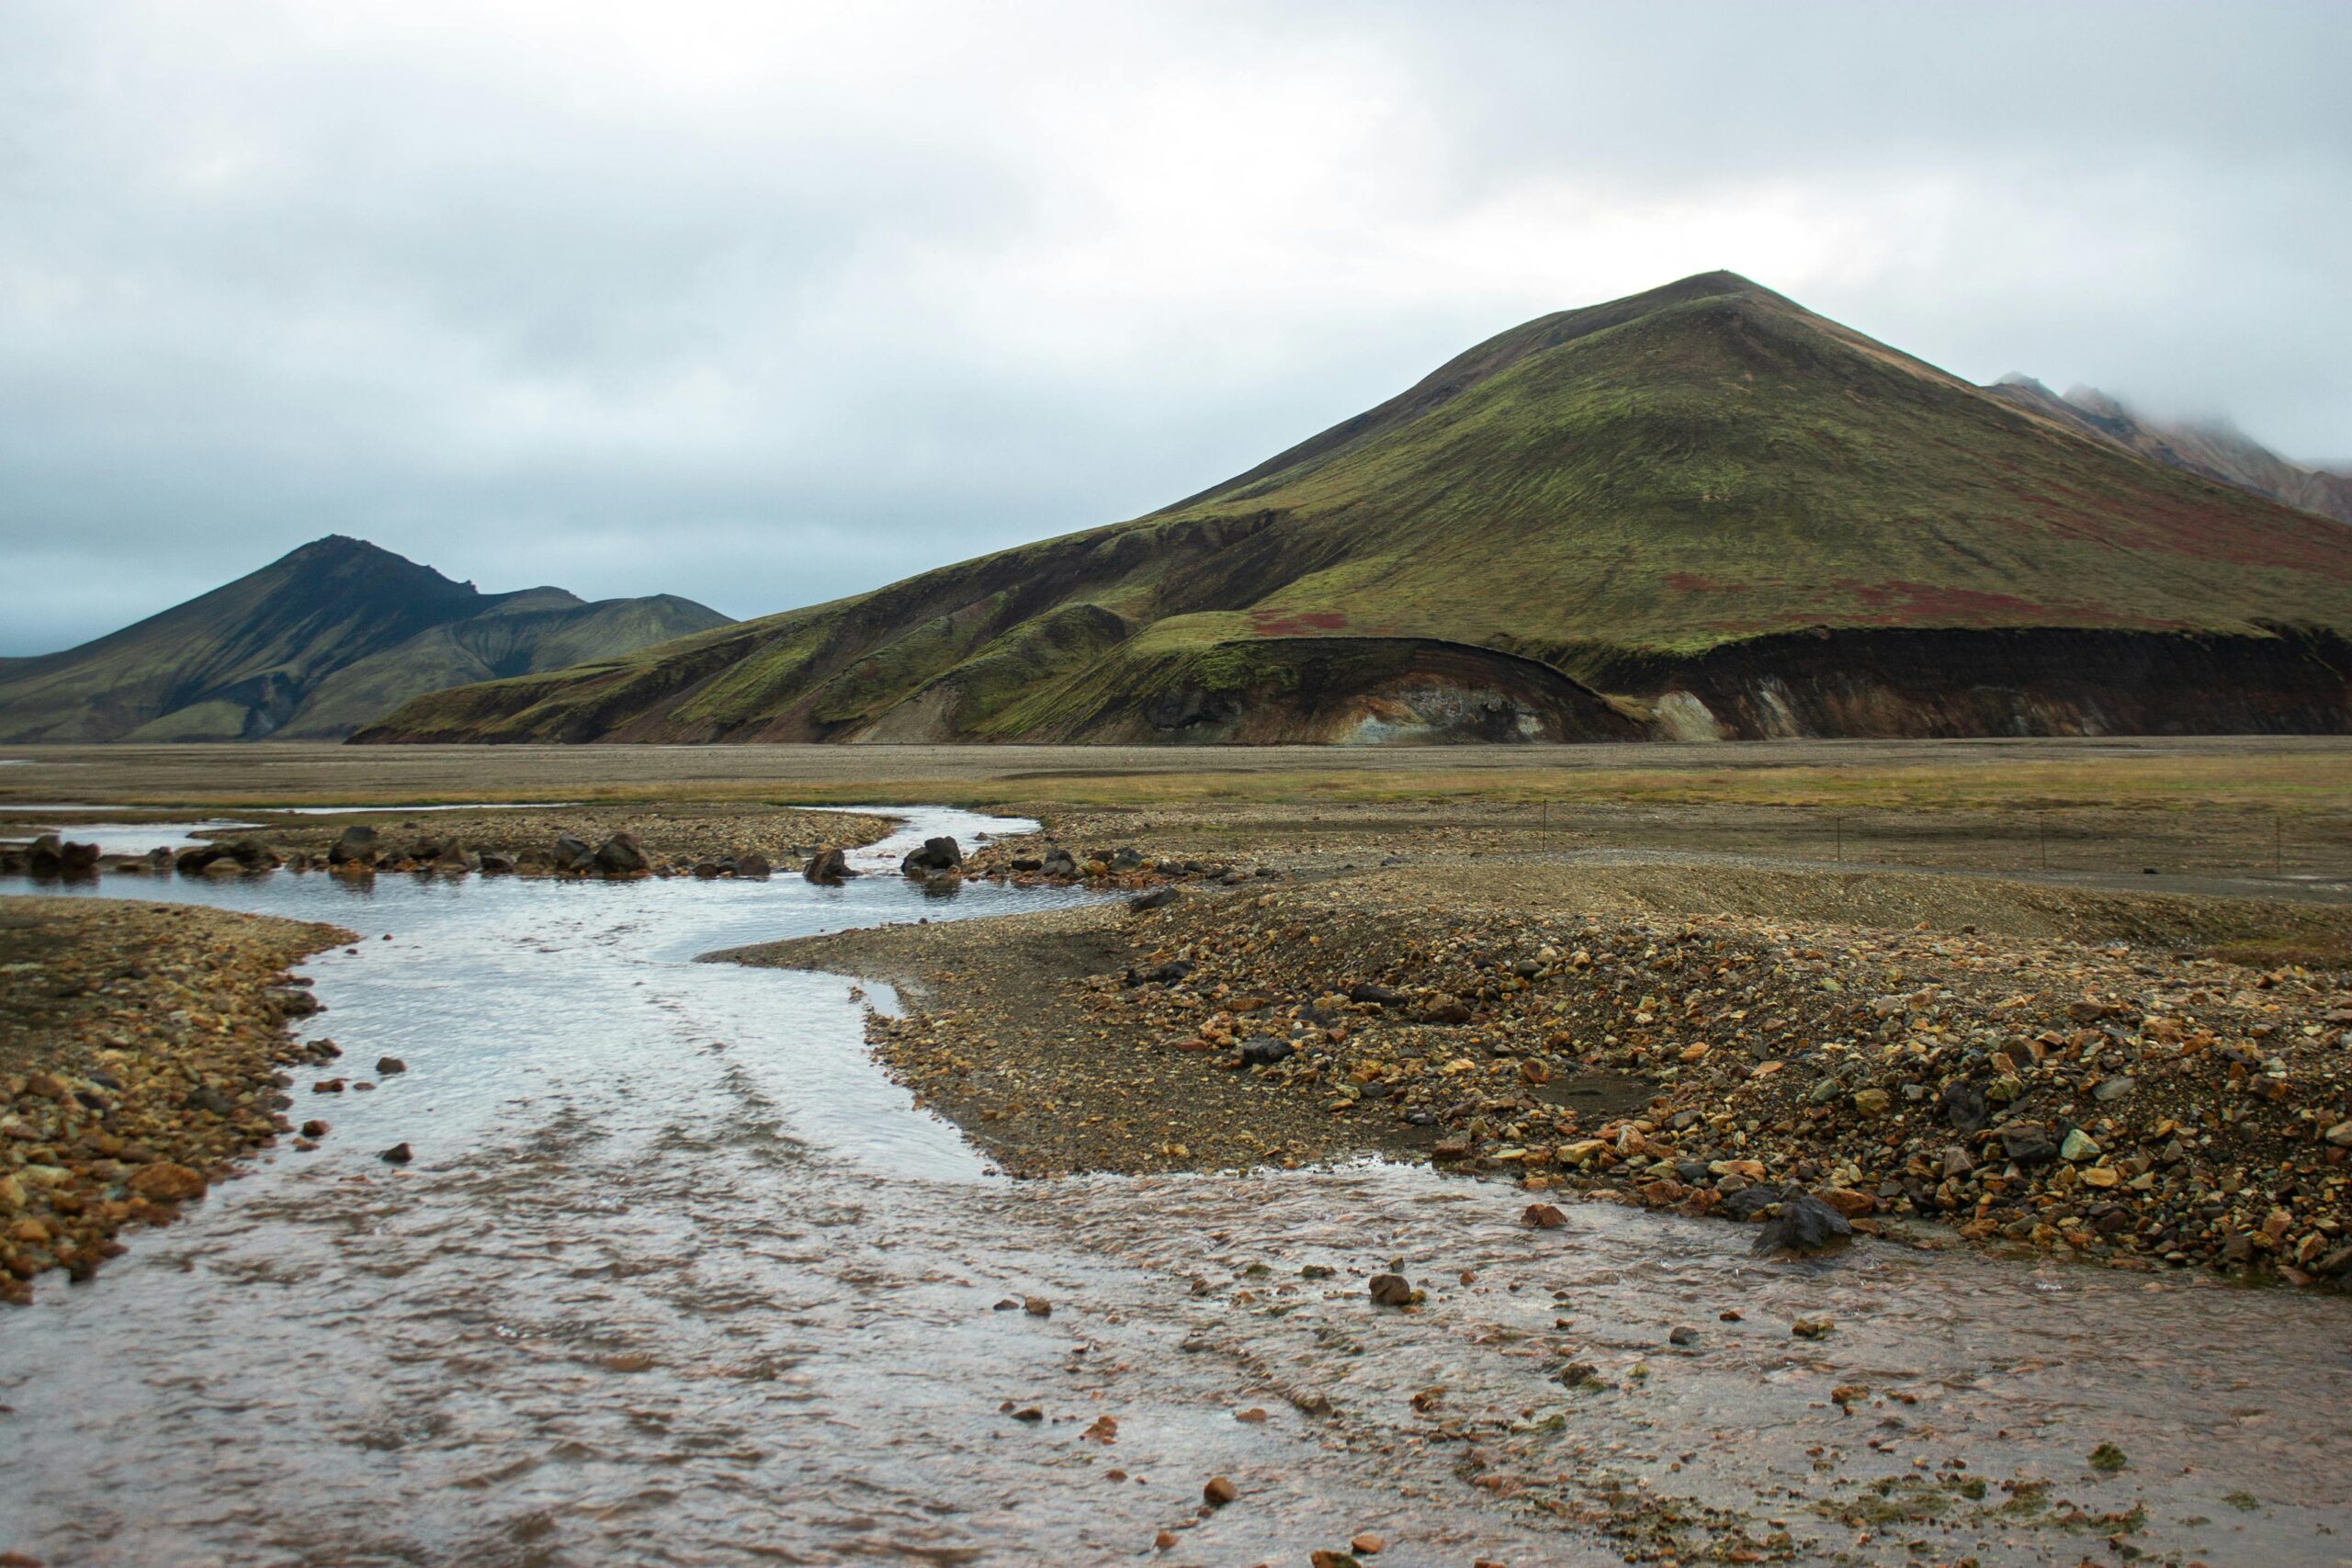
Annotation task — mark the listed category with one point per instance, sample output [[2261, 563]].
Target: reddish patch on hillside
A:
[[1307, 623], [1692, 583], [1899, 602], [1929, 600], [2227, 528]]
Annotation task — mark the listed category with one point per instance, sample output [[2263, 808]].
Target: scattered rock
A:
[[1219, 1492], [622, 855], [355, 846], [397, 1154], [1392, 1289], [1804, 1225], [386, 1065], [165, 1182], [940, 854]]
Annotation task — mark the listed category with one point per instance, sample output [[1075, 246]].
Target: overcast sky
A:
[[765, 303]]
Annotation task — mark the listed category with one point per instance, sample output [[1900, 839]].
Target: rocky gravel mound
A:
[[2143, 1105], [140, 1053]]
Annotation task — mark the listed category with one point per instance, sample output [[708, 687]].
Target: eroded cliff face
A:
[[1356, 690], [1932, 684], [1877, 684]]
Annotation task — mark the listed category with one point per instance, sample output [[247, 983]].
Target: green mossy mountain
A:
[[1701, 510], [314, 646]]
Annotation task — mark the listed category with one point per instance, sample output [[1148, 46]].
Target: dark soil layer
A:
[[141, 1049], [1954, 683], [2090, 1080]]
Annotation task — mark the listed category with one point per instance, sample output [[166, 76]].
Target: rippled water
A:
[[679, 1277]]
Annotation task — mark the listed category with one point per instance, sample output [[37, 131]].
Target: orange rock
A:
[[1848, 1202], [165, 1182]]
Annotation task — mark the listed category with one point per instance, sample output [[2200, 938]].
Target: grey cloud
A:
[[764, 305]]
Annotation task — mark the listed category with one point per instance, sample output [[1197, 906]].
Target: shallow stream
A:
[[678, 1276]]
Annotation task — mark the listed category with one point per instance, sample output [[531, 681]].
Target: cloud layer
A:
[[765, 304]]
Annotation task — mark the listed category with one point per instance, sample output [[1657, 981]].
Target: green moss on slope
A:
[[1702, 466]]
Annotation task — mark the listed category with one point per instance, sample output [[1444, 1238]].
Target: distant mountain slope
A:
[[2217, 451], [1700, 511], [314, 645]]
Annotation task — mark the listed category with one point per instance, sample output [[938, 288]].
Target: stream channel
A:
[[680, 1275]]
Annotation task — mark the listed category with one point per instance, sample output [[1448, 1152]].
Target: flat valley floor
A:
[[2057, 1032]]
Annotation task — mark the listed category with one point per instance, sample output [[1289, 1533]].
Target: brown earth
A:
[[141, 1049], [2084, 1072]]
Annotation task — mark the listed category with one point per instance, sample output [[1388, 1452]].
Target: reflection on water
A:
[[678, 1276]]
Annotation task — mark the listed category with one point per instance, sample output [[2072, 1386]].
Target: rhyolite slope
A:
[[2220, 451], [1701, 510], [314, 645]]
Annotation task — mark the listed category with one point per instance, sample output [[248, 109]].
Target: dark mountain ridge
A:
[[317, 643]]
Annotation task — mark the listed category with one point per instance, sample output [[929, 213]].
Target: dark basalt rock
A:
[[1804, 1225], [356, 845]]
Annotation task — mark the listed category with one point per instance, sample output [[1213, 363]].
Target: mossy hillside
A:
[[1645, 480]]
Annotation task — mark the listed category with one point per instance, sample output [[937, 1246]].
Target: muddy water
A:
[[678, 1276]]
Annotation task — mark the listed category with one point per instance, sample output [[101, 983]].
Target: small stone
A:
[[1323, 1557], [1683, 1337], [397, 1154], [1391, 1290], [386, 1065], [1037, 1306], [1872, 1101], [314, 1129], [2079, 1146], [1219, 1492], [1811, 1327], [1543, 1217], [1368, 1544], [165, 1182]]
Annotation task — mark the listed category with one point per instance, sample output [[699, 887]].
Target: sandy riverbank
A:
[[141, 1049]]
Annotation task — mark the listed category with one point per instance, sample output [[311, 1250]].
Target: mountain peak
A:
[[328, 636], [1706, 477]]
